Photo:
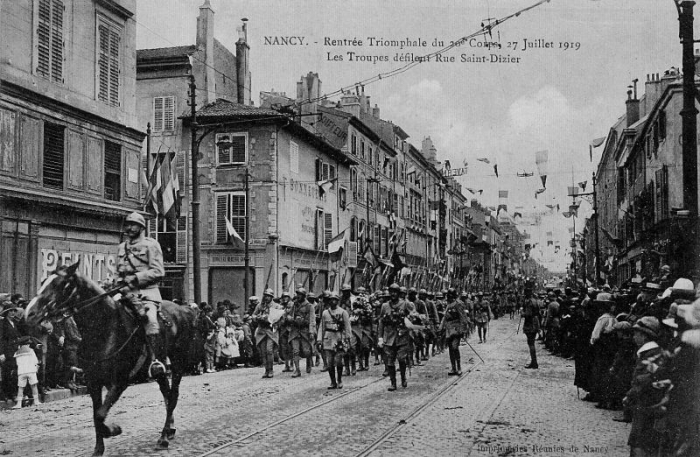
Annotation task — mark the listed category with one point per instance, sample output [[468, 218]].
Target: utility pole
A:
[[246, 252], [689, 134], [196, 243]]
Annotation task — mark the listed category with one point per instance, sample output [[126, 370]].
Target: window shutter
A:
[[7, 140], [30, 143], [114, 44], [325, 171], [108, 45], [57, 41], [76, 162], [331, 171], [317, 164], [95, 160], [152, 227], [181, 254], [133, 174], [328, 229], [158, 113], [319, 230], [180, 169], [169, 113], [221, 213], [377, 239], [352, 254], [54, 156], [44, 39]]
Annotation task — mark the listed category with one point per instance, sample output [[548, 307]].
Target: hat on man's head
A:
[[670, 319], [648, 325], [683, 288], [22, 340], [690, 313]]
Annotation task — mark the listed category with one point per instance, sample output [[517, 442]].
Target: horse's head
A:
[[55, 296]]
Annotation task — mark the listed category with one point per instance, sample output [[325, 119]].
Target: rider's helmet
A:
[[136, 218]]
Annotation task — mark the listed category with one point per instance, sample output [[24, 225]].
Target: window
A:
[[343, 198], [231, 148], [324, 171], [49, 39], [113, 171], [353, 228], [163, 114], [109, 37], [353, 144], [54, 155], [232, 206], [324, 229], [353, 183], [377, 239], [370, 157], [362, 149]]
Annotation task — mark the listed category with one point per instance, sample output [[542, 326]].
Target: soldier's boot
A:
[[269, 370], [287, 367], [392, 378], [346, 361], [453, 362], [533, 359], [309, 364], [402, 369], [418, 357], [360, 362], [340, 377], [387, 371], [297, 371], [318, 359], [331, 373], [366, 360], [353, 367], [156, 368], [459, 365]]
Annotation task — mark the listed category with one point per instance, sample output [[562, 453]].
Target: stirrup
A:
[[156, 369]]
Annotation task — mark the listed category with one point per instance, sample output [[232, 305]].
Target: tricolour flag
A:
[[337, 243], [325, 186], [232, 231]]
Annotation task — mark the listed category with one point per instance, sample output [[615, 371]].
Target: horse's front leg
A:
[[96, 395], [113, 394], [164, 384]]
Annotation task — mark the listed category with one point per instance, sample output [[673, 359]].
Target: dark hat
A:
[[648, 325], [22, 340]]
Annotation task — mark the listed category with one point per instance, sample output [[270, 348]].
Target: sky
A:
[[558, 94]]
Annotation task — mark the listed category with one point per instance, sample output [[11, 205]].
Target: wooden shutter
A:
[[108, 48], [133, 174], [158, 113], [181, 254], [319, 172], [31, 141], [114, 45], [95, 159], [169, 113], [49, 37], [152, 227], [331, 171], [54, 156], [318, 241], [76, 160], [328, 229], [221, 214], [7, 141], [377, 239], [180, 169], [325, 171], [352, 254]]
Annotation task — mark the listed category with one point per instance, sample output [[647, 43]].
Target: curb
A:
[[53, 395]]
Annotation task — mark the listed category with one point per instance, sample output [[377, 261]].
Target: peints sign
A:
[[98, 266]]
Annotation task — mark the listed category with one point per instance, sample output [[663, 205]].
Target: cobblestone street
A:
[[495, 408]]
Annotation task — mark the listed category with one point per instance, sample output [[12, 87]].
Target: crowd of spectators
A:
[[636, 350]]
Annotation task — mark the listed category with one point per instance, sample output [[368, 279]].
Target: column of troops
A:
[[343, 331]]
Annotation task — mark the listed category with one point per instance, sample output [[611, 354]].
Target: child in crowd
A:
[[27, 367]]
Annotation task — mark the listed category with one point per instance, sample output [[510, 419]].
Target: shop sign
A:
[[98, 266]]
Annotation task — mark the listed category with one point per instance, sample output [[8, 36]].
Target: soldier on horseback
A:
[[140, 267]]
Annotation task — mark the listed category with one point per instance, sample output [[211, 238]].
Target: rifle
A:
[[267, 281]]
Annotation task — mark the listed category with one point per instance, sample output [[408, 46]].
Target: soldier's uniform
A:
[[394, 336], [531, 324], [431, 329], [418, 335], [302, 328], [333, 336], [350, 357], [266, 334], [453, 323], [142, 258], [361, 322], [285, 348]]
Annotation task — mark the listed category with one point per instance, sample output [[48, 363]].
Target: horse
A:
[[113, 349]]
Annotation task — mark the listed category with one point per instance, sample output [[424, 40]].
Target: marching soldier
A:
[[323, 305], [302, 327], [440, 307], [139, 268], [431, 329], [361, 322], [453, 323], [394, 336], [285, 348], [418, 336], [531, 324], [266, 335], [333, 336], [349, 359]]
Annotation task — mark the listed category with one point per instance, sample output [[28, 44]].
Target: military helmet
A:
[[361, 290], [301, 291], [254, 299], [285, 294], [346, 288], [327, 293], [311, 295], [423, 292], [439, 295], [394, 286], [334, 296], [136, 218], [403, 289], [412, 290], [269, 292]]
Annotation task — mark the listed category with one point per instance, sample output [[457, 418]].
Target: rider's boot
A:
[[156, 368]]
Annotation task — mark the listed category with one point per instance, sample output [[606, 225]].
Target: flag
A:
[[232, 231], [167, 188], [337, 243], [484, 159], [370, 257], [594, 144], [495, 169], [325, 185], [573, 191], [153, 191], [582, 185]]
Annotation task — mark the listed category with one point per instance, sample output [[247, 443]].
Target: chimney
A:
[[205, 46], [309, 88], [375, 111], [350, 103], [243, 64], [632, 104], [428, 150]]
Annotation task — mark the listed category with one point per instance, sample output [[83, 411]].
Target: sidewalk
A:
[[53, 395]]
